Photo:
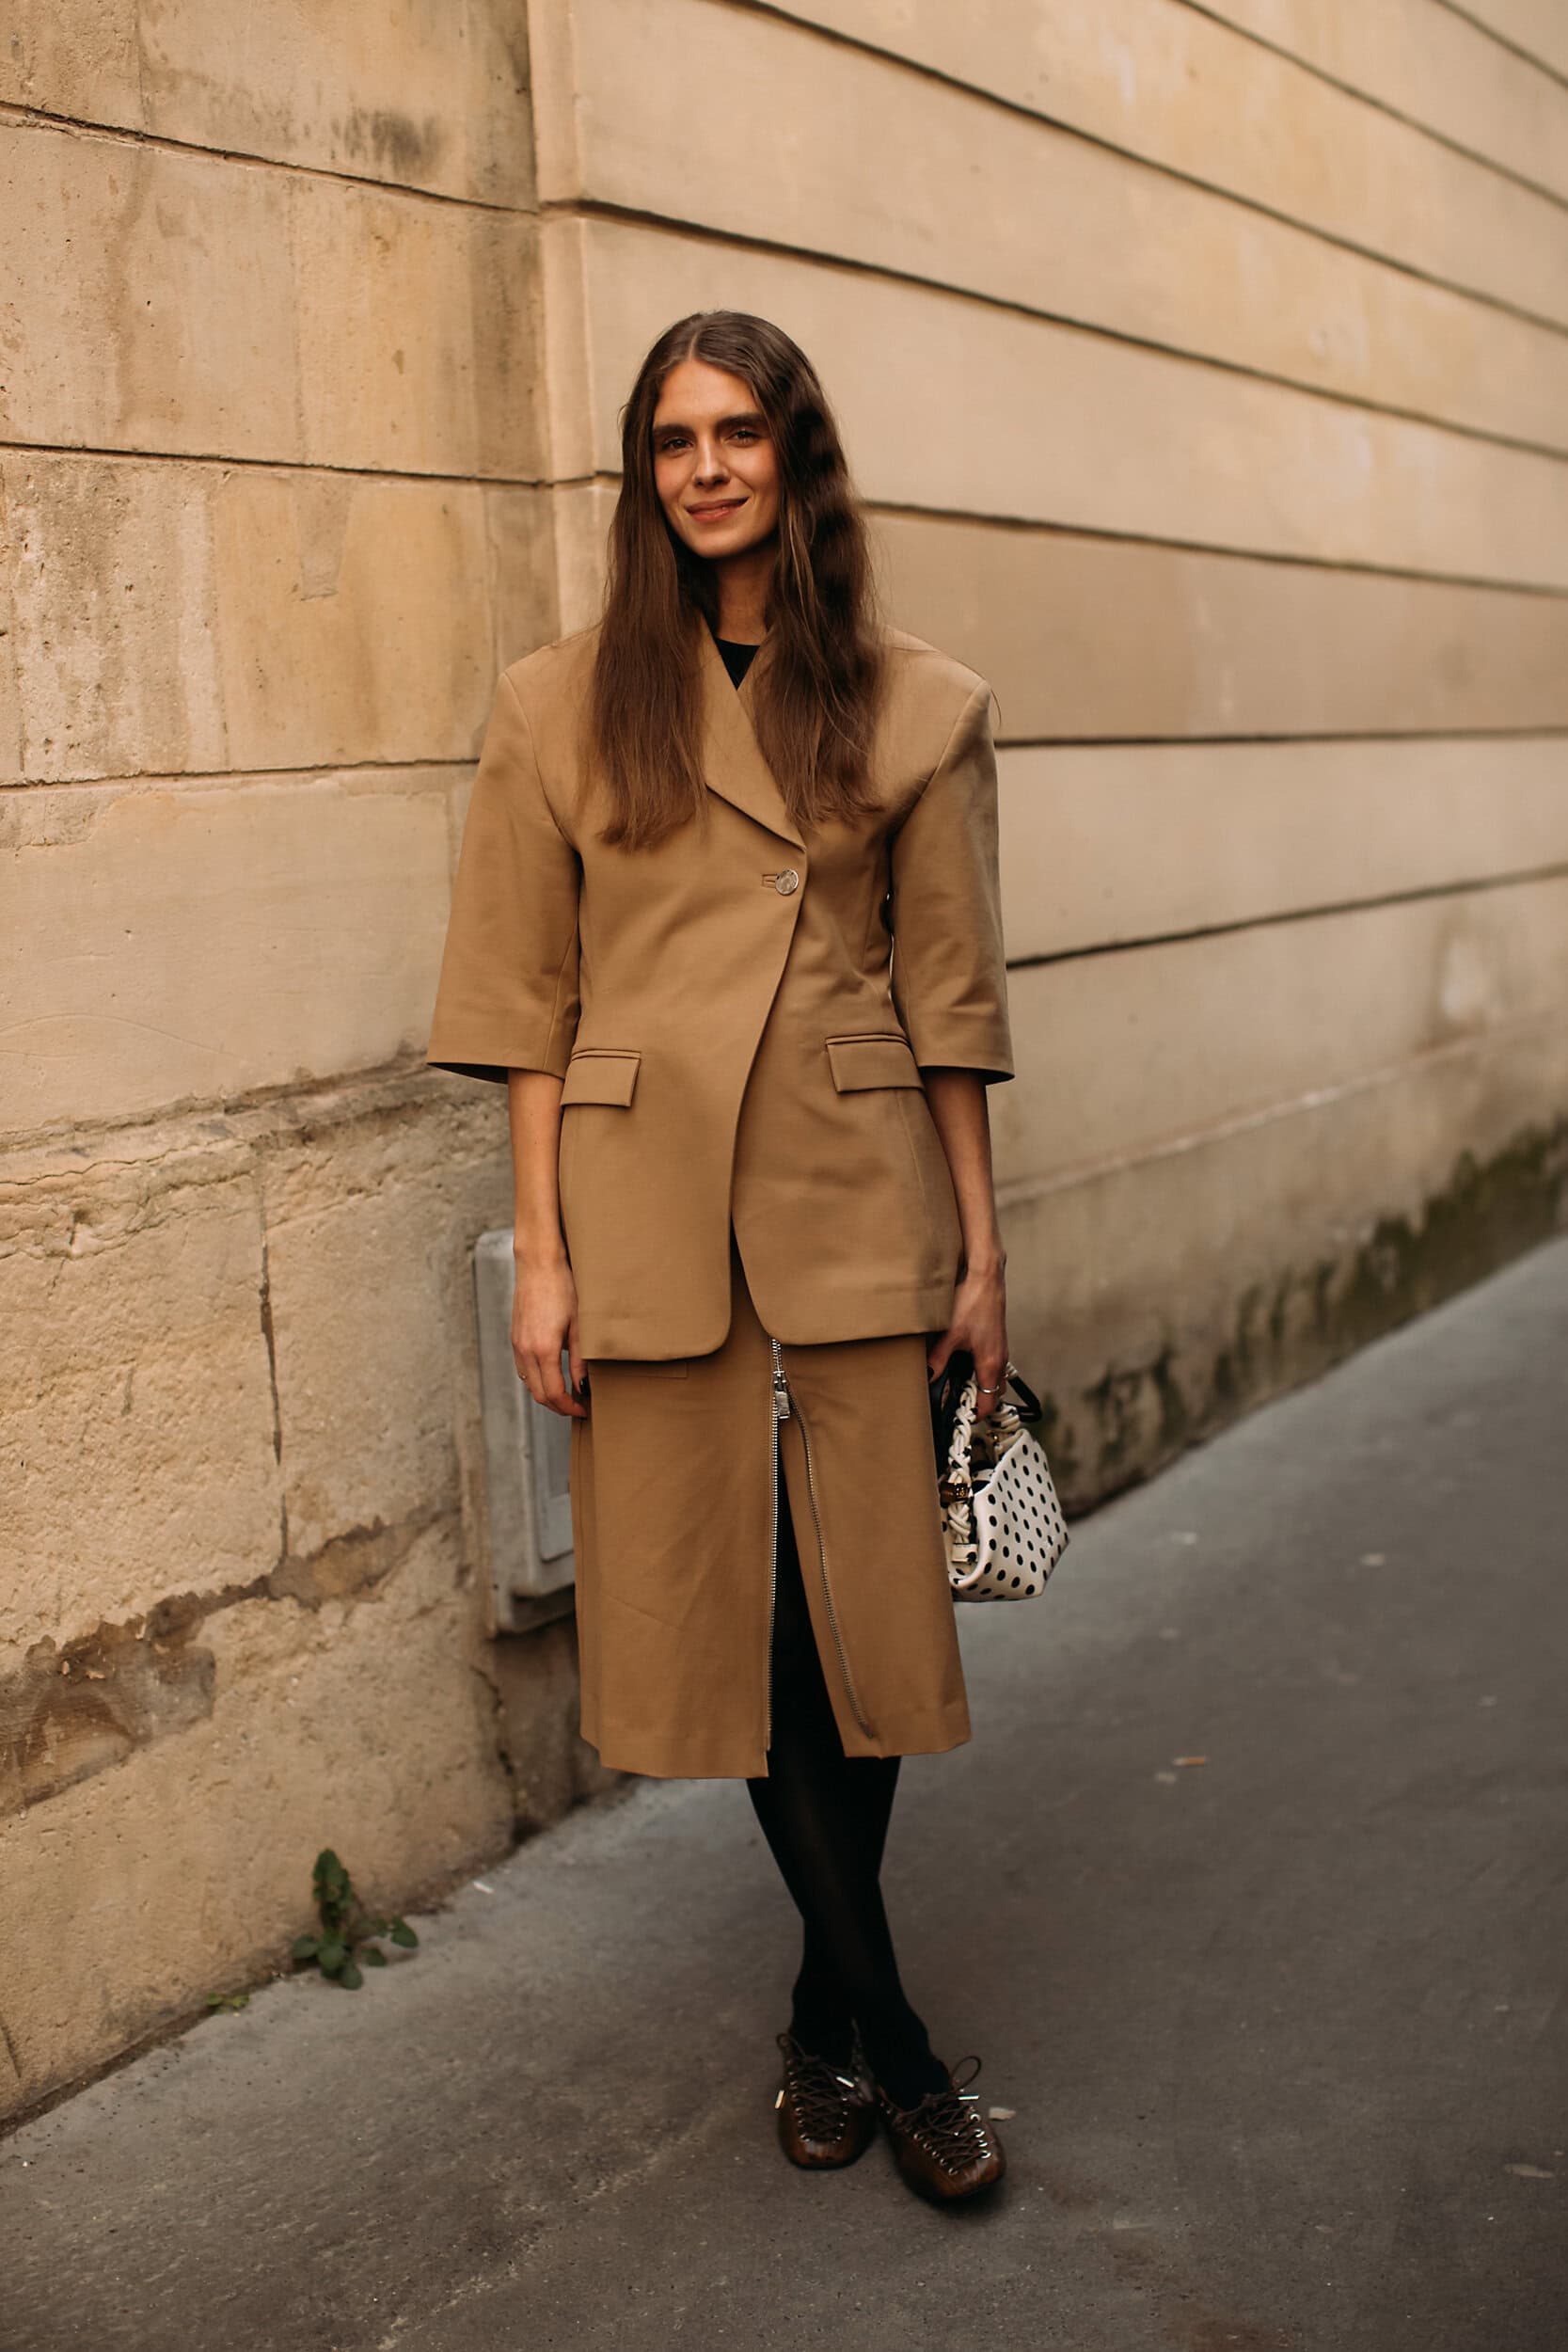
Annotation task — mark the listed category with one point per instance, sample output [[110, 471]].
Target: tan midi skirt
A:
[[674, 1489]]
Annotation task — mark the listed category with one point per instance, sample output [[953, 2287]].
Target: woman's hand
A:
[[545, 1303], [958, 1103], [544, 1322], [980, 1325]]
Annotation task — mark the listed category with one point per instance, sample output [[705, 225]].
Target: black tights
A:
[[825, 1817]]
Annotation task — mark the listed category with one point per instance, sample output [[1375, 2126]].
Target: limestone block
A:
[[193, 304], [1153, 1299], [352, 617], [1121, 439], [1087, 638], [369, 1226], [1049, 220], [416, 332], [1124, 1052], [135, 1400], [1112, 842], [199, 942], [186, 619], [110, 610], [366, 1724], [1438, 69], [425, 96], [174, 619], [154, 295], [1168, 82]]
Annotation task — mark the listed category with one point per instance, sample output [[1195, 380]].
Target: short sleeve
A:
[[949, 968], [507, 998]]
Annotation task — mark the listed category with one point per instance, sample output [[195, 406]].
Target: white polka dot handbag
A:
[[1003, 1522]]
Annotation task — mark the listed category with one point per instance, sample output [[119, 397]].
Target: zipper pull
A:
[[780, 1386]]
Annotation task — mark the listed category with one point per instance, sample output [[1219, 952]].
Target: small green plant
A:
[[228, 2001], [348, 1931]]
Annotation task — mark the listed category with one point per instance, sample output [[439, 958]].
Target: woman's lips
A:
[[716, 512]]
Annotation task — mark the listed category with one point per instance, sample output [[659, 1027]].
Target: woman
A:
[[753, 1203]]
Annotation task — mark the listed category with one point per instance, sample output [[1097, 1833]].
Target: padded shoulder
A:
[[938, 677], [563, 667]]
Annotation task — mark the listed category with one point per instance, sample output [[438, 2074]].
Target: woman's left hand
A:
[[979, 1325]]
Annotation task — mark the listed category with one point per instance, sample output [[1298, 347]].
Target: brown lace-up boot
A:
[[825, 2115], [944, 2147]]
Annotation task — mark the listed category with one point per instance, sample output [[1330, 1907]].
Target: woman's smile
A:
[[707, 429]]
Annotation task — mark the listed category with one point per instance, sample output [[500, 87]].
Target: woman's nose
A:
[[710, 463]]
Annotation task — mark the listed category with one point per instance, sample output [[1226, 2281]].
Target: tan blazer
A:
[[737, 1037]]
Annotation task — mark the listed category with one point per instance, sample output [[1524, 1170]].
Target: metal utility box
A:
[[527, 1454]]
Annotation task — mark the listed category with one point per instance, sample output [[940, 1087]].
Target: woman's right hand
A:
[[544, 1322]]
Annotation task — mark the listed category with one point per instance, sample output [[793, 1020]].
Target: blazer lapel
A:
[[732, 763]]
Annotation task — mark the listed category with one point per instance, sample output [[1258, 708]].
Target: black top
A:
[[737, 657]]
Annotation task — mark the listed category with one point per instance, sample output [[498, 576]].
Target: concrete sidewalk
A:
[[1284, 2029]]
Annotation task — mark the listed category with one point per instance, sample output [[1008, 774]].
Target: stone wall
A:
[[276, 482], [1205, 370]]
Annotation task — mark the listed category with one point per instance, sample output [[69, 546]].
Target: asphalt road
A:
[[1283, 2028]]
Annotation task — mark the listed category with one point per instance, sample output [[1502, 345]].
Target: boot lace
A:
[[818, 2092], [948, 2124]]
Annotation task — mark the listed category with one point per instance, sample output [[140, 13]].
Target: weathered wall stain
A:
[[1134, 1418], [70, 1711], [392, 142]]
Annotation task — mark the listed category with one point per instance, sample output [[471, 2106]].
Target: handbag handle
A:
[[946, 1392], [953, 1467]]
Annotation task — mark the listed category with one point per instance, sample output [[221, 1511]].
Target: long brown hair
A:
[[816, 696]]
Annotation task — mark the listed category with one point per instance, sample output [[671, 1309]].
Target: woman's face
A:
[[715, 465]]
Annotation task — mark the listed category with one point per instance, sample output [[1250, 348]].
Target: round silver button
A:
[[787, 881]]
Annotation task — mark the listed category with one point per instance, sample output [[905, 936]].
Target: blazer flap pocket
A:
[[600, 1074], [872, 1060]]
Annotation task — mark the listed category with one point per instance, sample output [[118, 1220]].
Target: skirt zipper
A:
[[782, 1406], [780, 1412]]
